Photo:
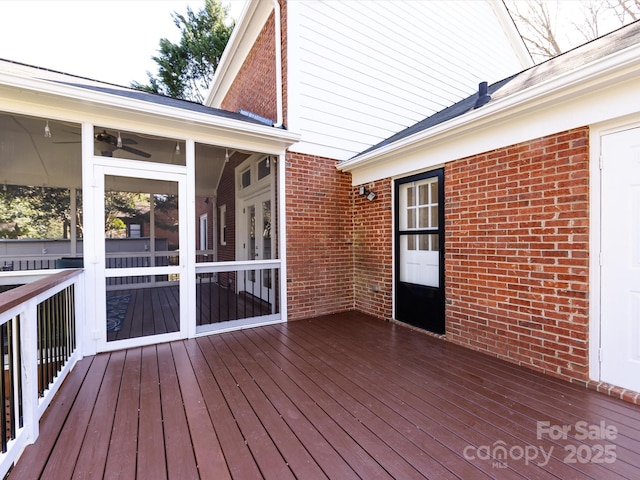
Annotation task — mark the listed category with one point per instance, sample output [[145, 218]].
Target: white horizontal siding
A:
[[364, 70]]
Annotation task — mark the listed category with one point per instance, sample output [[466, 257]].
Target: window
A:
[[255, 173], [245, 178], [222, 218], [264, 168], [135, 230]]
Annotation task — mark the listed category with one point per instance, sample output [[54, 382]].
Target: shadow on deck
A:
[[342, 396]]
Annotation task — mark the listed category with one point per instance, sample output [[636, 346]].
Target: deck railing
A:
[[16, 263], [38, 342], [230, 296]]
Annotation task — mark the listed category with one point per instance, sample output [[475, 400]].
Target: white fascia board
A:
[[29, 94], [596, 92], [511, 32], [243, 37]]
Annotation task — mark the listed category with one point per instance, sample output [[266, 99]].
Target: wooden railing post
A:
[[29, 343]]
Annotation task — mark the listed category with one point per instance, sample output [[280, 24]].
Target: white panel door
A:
[[419, 252], [620, 304]]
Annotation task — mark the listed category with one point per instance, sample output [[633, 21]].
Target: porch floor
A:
[[342, 396]]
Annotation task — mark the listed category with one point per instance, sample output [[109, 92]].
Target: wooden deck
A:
[[340, 397]]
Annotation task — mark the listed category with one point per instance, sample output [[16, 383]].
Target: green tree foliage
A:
[[185, 69], [34, 212]]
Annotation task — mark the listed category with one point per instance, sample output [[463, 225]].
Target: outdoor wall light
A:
[[47, 130], [370, 195]]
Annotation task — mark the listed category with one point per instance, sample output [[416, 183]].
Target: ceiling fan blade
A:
[[135, 151]]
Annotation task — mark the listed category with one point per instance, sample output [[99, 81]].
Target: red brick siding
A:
[[284, 42], [319, 237], [517, 246], [373, 253], [254, 88], [203, 207], [227, 196]]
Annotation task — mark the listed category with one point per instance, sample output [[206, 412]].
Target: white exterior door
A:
[[258, 245], [620, 302]]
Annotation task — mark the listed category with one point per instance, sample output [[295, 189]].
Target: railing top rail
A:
[[11, 298]]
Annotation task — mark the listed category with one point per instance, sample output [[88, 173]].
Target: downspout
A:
[[278, 40]]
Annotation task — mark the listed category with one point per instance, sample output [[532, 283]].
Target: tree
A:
[[185, 69], [34, 212], [550, 27]]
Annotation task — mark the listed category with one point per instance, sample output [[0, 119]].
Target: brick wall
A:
[[227, 197], [373, 252], [254, 88], [517, 253], [319, 237]]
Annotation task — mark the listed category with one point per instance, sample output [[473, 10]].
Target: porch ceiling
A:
[[343, 396], [29, 158], [35, 96]]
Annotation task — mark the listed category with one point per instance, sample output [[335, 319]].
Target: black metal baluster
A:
[[3, 388], [19, 376], [10, 390]]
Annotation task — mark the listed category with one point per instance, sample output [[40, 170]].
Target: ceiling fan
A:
[[109, 143], [113, 143]]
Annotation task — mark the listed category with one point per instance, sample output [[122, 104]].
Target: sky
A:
[[108, 40]]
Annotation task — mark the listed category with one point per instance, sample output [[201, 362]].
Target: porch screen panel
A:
[[141, 234], [141, 223]]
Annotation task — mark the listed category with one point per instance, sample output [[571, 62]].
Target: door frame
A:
[[257, 190], [397, 182], [102, 167], [243, 235], [597, 131]]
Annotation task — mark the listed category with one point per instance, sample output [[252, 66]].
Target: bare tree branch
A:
[[550, 27]]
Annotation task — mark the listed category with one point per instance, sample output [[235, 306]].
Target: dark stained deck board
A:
[[35, 457], [240, 462], [207, 450], [343, 396], [241, 365], [181, 462], [457, 372], [268, 458], [537, 392], [68, 444], [557, 467], [292, 411], [217, 304], [156, 310], [451, 423], [95, 446], [151, 311], [151, 461], [124, 434], [426, 438], [333, 434]]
